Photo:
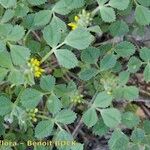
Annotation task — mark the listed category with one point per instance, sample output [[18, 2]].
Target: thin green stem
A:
[[43, 117], [59, 126], [26, 35], [51, 52], [94, 12]]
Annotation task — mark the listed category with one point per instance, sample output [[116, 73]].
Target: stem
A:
[[136, 3], [25, 38], [51, 52], [59, 126], [43, 117], [94, 12], [18, 98]]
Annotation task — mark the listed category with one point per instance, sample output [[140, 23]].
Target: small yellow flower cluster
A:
[[83, 19], [77, 99], [35, 66], [74, 24], [32, 114]]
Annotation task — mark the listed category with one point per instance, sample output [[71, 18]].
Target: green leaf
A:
[[145, 54], [30, 98], [147, 73], [131, 93], [43, 129], [123, 77], [130, 120], [144, 2], [54, 105], [52, 34], [118, 28], [118, 141], [77, 146], [66, 6], [60, 24], [3, 73], [119, 4], [47, 83], [147, 126], [5, 60], [108, 62], [16, 33], [36, 2], [66, 58], [79, 39], [20, 55], [107, 14], [90, 55], [103, 100], [102, 2], [90, 117], [65, 116], [2, 46], [42, 17], [134, 64], [16, 77], [63, 135], [8, 3], [8, 15], [21, 10], [125, 49], [95, 29], [87, 74], [137, 135], [100, 128], [6, 106], [111, 117], [5, 29], [142, 15]]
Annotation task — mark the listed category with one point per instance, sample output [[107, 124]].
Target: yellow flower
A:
[[34, 64], [74, 24]]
